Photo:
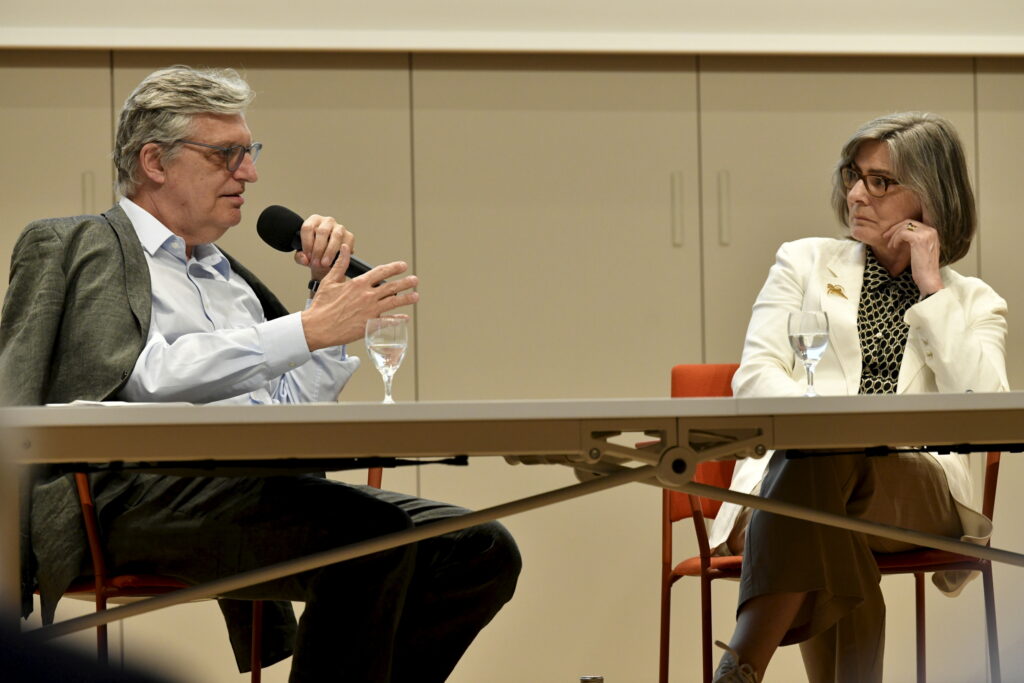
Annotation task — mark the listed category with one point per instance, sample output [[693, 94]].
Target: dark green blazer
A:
[[75, 319], [77, 311]]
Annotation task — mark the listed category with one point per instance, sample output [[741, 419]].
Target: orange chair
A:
[[133, 586], [694, 381], [716, 380]]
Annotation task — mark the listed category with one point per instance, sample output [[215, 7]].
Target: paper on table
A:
[[80, 402]]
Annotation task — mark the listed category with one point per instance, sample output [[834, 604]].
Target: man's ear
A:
[[151, 162]]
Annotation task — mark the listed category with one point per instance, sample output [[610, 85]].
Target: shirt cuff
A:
[[284, 343]]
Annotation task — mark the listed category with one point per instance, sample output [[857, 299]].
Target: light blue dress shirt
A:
[[209, 340]]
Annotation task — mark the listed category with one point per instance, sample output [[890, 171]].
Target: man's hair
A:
[[926, 157], [161, 110]]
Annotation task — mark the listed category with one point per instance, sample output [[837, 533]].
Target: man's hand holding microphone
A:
[[348, 291]]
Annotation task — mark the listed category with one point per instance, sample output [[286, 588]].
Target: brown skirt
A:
[[843, 619]]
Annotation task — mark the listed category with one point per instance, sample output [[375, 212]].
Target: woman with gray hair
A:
[[900, 321]]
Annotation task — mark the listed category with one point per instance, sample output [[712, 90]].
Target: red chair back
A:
[[702, 381]]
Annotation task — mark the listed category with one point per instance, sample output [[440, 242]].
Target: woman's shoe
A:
[[730, 670]]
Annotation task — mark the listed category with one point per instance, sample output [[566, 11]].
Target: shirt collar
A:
[[876, 278], [154, 235]]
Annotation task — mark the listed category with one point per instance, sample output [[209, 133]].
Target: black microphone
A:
[[280, 228]]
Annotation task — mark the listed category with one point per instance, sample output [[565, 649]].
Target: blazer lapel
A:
[[840, 297], [910, 367], [136, 270]]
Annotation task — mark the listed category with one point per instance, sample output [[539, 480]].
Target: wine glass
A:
[[387, 338], [808, 335]]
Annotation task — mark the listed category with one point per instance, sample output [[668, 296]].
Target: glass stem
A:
[[810, 379], [388, 377]]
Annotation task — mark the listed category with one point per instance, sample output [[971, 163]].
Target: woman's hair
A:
[[926, 157], [161, 110]]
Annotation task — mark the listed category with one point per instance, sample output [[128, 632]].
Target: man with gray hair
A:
[[138, 304]]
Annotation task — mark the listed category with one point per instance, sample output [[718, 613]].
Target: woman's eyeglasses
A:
[[876, 185]]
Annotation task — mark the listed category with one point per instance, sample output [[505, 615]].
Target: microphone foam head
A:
[[279, 227]]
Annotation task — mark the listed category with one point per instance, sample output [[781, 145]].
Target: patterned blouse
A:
[[884, 300]]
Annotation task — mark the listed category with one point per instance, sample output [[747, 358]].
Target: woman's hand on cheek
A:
[[923, 242]]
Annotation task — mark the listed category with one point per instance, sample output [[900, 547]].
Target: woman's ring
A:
[[911, 227]]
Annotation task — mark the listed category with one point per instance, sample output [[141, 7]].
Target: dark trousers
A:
[[405, 614]]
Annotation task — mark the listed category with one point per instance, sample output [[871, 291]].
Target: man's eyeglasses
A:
[[234, 154], [876, 185]]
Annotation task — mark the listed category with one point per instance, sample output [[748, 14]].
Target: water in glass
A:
[[808, 335], [387, 338]]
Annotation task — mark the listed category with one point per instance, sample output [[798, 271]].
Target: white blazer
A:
[[956, 344]]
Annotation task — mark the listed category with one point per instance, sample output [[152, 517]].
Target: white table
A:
[[567, 432]]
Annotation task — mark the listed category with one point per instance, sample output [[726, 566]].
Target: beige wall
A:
[[932, 27], [579, 223]]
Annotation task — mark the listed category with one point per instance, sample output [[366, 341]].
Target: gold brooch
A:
[[835, 289]]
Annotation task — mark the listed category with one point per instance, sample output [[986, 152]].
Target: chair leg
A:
[[705, 628], [919, 600], [102, 647], [374, 475], [990, 623], [666, 620], [256, 656]]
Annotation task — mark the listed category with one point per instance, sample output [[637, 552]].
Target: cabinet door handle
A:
[[724, 204], [88, 192], [678, 209]]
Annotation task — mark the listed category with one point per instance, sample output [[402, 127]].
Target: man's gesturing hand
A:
[[341, 307]]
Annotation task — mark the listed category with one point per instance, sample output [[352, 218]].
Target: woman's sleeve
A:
[[960, 332]]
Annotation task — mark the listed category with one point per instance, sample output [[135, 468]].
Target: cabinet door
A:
[[552, 265], [335, 129], [556, 224], [55, 114], [771, 133], [1000, 130]]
